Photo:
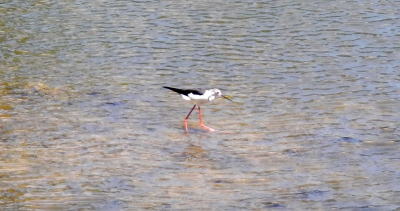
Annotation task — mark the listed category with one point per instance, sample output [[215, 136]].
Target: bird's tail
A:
[[173, 89]]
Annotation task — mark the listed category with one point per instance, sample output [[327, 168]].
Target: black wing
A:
[[184, 91]]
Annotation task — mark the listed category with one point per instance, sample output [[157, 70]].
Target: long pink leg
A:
[[202, 121], [185, 121]]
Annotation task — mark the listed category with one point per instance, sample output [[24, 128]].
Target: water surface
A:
[[85, 124]]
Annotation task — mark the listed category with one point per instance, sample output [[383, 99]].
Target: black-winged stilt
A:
[[198, 98]]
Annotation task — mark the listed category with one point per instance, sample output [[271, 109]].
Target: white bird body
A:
[[208, 96]]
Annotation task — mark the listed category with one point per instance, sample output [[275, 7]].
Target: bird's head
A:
[[216, 93]]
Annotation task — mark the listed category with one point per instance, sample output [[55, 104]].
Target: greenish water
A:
[[85, 123]]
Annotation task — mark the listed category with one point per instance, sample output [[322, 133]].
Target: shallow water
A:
[[85, 124]]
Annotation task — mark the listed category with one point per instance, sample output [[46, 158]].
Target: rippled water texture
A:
[[85, 124]]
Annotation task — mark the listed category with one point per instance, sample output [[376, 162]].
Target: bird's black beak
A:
[[227, 97]]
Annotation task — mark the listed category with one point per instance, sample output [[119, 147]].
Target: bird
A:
[[198, 98]]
